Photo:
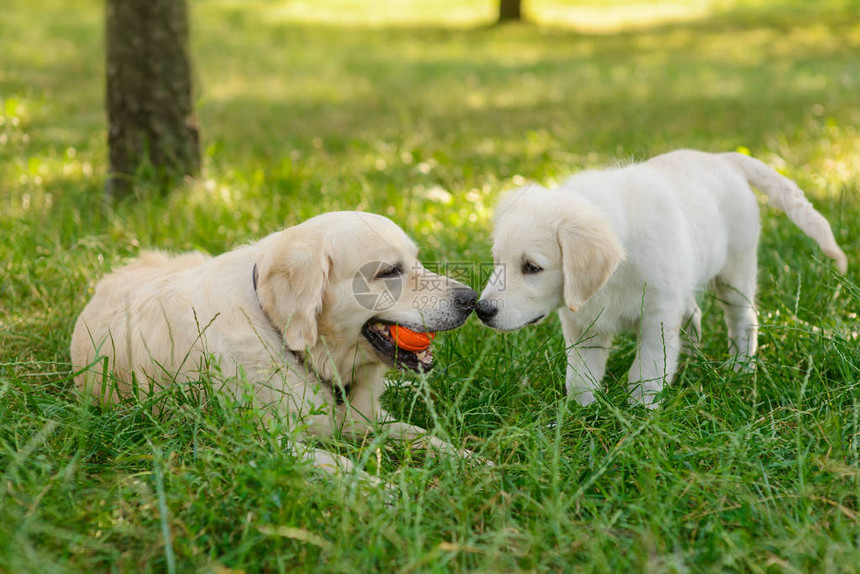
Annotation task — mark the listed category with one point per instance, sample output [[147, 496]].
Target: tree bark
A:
[[510, 11], [151, 122]]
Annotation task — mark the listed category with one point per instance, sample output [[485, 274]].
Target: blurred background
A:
[[415, 108]]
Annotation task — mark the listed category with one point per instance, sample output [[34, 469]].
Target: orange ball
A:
[[408, 339]]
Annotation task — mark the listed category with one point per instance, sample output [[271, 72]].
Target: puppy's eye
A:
[[530, 268], [389, 272]]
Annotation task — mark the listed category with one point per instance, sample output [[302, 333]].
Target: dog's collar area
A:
[[339, 392]]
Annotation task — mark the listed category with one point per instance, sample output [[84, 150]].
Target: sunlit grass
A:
[[613, 16], [603, 16]]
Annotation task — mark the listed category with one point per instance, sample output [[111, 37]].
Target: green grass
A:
[[427, 115]]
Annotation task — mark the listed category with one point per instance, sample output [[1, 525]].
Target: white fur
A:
[[630, 247], [163, 319]]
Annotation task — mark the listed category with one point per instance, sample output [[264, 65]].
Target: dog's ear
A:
[[291, 282], [590, 253]]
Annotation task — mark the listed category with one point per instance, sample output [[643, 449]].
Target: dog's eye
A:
[[389, 272], [530, 268]]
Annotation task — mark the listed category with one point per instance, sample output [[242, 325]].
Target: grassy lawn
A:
[[424, 112]]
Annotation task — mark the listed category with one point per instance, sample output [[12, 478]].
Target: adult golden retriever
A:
[[300, 317], [631, 247]]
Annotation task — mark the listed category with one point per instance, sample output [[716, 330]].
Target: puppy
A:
[[301, 318], [630, 248]]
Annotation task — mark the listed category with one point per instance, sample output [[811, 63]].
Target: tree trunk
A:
[[510, 11], [151, 120]]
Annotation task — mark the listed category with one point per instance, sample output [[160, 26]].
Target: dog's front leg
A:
[[586, 359], [656, 360], [327, 461], [364, 414], [418, 437]]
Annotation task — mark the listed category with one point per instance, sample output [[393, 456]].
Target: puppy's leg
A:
[[736, 287], [586, 359], [656, 359], [692, 325]]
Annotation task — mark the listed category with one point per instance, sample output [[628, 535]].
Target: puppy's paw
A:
[[744, 365], [649, 402], [584, 396], [644, 397]]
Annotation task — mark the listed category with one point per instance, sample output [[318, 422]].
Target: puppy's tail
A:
[[785, 195]]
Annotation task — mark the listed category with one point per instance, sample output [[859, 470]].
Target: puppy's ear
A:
[[590, 253], [292, 278]]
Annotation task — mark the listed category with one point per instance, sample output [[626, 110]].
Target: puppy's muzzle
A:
[[486, 309]]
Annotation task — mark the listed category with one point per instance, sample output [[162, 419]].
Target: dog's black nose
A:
[[486, 309], [465, 299]]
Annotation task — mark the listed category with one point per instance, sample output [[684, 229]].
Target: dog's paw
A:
[[472, 457]]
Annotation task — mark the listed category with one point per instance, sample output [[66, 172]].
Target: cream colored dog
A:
[[300, 318], [630, 248]]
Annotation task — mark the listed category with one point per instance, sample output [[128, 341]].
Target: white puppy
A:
[[630, 248], [300, 319]]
